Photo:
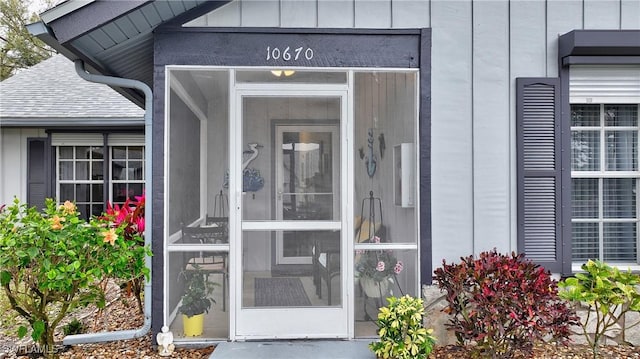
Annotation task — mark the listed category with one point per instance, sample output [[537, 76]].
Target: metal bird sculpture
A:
[[253, 151]]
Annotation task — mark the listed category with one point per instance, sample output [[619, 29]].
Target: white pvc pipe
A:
[[148, 111]]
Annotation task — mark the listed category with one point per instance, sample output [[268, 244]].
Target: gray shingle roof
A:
[[52, 93]]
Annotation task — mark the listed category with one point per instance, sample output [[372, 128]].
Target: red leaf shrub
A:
[[503, 304]]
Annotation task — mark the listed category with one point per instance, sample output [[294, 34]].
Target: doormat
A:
[[280, 292]]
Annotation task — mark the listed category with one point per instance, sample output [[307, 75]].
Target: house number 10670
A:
[[289, 54]]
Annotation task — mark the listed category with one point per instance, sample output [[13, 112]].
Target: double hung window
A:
[[91, 173], [605, 178]]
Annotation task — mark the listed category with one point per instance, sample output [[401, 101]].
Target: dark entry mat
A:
[[280, 292]]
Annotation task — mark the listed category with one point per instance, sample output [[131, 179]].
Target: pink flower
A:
[[380, 266], [376, 239], [140, 224], [398, 267], [359, 251]]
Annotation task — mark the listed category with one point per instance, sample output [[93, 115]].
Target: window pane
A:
[[135, 171], [65, 152], [119, 192], [620, 242], [82, 170], [585, 150], [119, 152], [84, 209], [585, 115], [96, 170], [619, 197], [135, 152], [585, 241], [97, 192], [83, 152], [96, 209], [119, 170], [622, 150], [96, 152], [621, 115], [135, 189], [584, 198], [66, 193], [65, 170], [83, 193]]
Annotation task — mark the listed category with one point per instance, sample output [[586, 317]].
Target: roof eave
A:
[[63, 9], [71, 122]]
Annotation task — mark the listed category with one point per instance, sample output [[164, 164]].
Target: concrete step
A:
[[294, 349]]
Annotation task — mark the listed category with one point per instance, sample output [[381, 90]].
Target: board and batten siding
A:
[[13, 157], [479, 49]]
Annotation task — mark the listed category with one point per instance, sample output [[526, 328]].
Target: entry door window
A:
[[306, 184]]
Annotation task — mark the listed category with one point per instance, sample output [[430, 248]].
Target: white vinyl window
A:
[[85, 168], [80, 177], [127, 172], [605, 178]]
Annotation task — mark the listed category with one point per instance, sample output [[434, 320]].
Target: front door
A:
[[306, 185], [290, 250]]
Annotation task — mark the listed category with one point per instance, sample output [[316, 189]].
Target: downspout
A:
[[148, 110]]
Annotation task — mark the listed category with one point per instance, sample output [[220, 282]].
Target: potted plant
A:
[[196, 300], [402, 334], [375, 270]]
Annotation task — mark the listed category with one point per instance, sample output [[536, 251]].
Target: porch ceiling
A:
[[115, 38]]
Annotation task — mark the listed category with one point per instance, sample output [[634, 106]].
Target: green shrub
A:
[[74, 327], [503, 304], [402, 335], [53, 261], [609, 294]]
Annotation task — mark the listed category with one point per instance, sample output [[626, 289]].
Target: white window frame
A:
[[602, 174], [126, 160], [75, 181], [75, 140]]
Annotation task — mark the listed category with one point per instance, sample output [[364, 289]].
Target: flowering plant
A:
[[52, 261], [377, 264], [129, 220]]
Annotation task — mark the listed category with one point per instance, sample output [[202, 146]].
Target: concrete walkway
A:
[[294, 349]]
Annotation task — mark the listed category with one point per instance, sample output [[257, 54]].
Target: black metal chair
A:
[[326, 261], [210, 263]]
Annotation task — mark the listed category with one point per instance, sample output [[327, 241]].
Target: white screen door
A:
[[290, 249]]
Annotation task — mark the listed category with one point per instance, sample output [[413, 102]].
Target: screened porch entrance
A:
[[290, 190], [284, 296]]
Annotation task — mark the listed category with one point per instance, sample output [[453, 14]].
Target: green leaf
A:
[[33, 252], [5, 277], [22, 331], [51, 275], [38, 330]]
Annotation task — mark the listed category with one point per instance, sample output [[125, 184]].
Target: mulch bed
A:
[[122, 313], [548, 351]]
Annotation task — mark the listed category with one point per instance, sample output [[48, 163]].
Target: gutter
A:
[[148, 106]]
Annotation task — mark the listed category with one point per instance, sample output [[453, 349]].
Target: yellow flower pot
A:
[[193, 326]]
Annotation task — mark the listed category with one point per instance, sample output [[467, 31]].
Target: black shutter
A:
[[36, 172], [541, 233]]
